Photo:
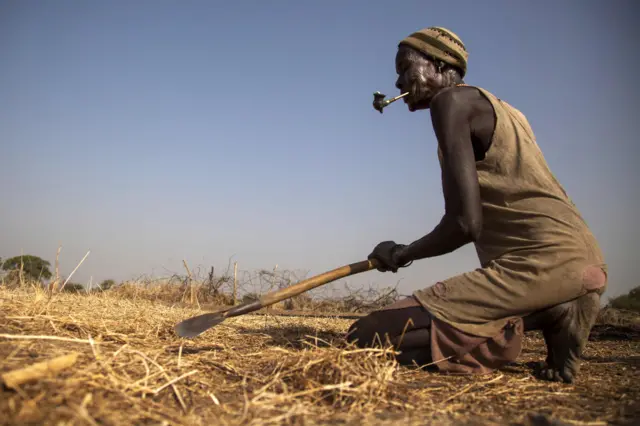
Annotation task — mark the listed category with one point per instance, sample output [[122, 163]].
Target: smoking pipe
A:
[[379, 102]]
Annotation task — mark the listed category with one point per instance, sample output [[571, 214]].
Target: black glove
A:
[[386, 253]]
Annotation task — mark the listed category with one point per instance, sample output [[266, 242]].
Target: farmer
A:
[[541, 267]]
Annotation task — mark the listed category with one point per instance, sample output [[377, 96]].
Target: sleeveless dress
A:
[[535, 251]]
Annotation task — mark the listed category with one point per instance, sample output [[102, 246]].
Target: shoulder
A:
[[460, 103], [463, 118]]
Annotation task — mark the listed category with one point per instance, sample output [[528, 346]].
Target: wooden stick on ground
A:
[[39, 370]]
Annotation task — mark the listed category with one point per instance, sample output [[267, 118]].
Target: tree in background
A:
[[33, 267], [73, 288]]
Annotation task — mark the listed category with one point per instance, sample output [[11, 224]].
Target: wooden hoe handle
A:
[[194, 326]]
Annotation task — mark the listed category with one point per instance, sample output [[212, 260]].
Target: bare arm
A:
[[452, 113]]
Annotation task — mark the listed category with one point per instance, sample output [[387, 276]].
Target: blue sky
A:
[[153, 131]]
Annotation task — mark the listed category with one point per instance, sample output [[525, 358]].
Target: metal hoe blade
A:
[[195, 326]]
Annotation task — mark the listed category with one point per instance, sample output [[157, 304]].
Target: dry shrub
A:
[[177, 291], [168, 292], [14, 279], [301, 302], [618, 317], [354, 302]]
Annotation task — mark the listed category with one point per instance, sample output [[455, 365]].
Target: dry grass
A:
[[168, 292], [254, 369], [175, 292]]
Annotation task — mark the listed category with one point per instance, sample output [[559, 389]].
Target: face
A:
[[417, 75]]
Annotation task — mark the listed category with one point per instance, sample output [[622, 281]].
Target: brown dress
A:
[[535, 251]]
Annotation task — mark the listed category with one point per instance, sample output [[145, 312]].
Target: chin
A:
[[420, 104], [419, 107]]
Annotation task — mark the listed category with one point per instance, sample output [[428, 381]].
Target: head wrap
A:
[[440, 43]]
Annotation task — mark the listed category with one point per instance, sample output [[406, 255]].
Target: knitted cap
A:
[[440, 43]]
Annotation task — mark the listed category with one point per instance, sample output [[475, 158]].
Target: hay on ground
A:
[[132, 369]]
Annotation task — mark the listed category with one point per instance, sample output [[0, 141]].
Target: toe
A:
[[567, 377], [547, 374], [554, 375], [557, 377]]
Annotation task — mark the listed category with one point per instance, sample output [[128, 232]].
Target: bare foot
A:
[[566, 329]]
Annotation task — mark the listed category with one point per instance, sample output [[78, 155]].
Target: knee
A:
[[363, 332], [594, 279], [420, 357]]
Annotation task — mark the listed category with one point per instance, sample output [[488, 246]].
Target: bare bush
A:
[[212, 290]]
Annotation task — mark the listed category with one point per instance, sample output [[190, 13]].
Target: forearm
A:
[[445, 238]]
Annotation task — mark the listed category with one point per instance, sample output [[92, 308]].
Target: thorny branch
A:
[[213, 289]]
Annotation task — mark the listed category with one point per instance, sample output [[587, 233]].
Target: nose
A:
[[399, 83]]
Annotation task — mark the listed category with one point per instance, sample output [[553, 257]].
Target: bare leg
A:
[[566, 329]]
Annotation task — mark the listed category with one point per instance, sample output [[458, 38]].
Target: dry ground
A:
[[255, 369]]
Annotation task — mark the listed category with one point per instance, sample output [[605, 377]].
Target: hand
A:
[[386, 253]]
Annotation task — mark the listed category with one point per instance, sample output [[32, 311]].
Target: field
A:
[[267, 369]]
